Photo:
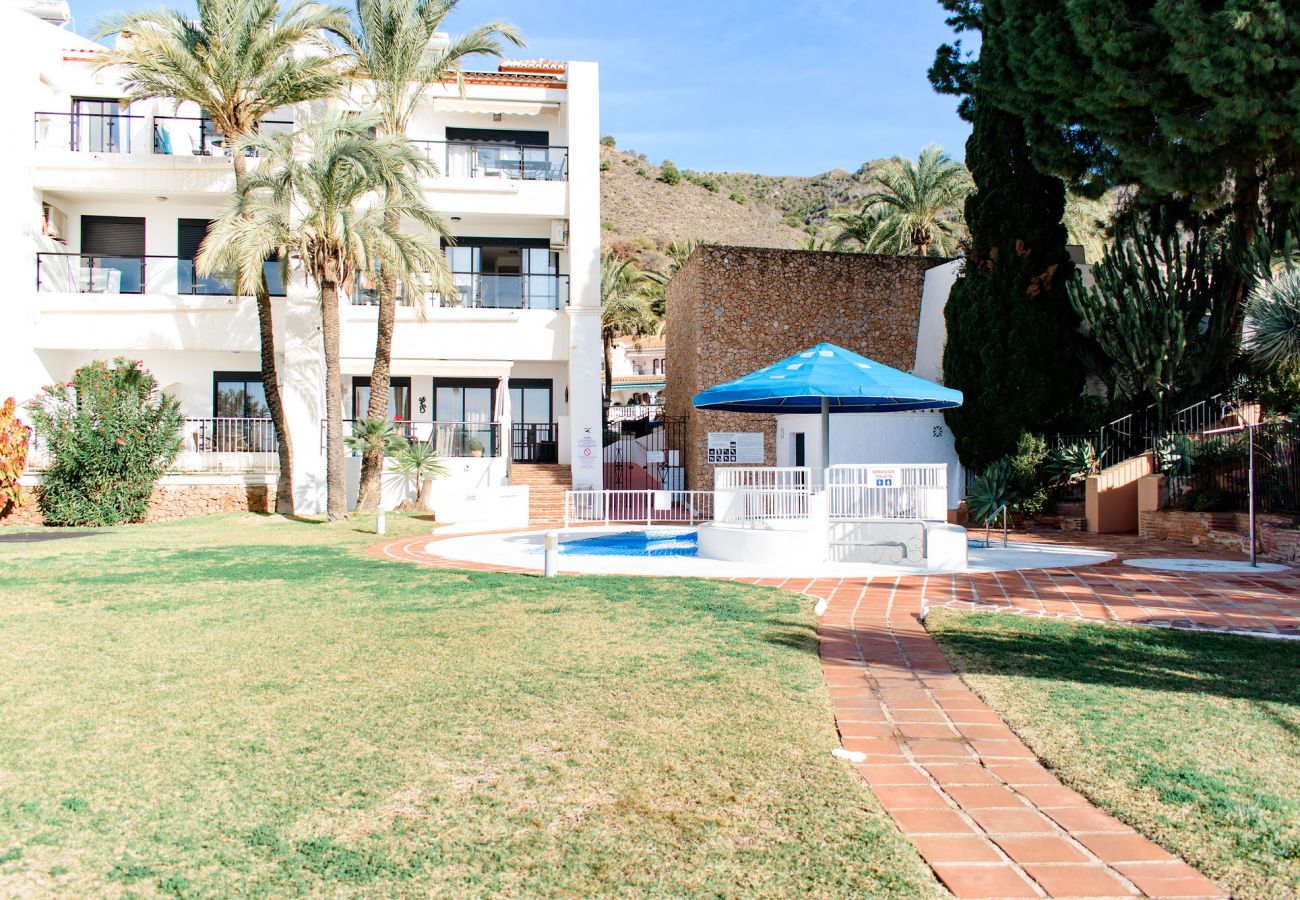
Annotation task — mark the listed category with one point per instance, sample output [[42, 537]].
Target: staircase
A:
[[546, 486]]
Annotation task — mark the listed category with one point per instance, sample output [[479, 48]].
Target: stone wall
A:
[[1277, 536], [174, 501], [732, 310]]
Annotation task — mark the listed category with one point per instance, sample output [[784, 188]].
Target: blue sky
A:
[[781, 88]]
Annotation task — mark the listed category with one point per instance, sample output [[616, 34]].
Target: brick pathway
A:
[[988, 818]]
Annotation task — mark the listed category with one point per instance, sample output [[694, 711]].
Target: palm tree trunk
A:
[[270, 378], [609, 379], [336, 500], [372, 464]]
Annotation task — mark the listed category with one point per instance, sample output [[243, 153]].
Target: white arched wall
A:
[[884, 438]]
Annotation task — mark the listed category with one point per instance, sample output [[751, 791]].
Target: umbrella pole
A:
[[826, 438]]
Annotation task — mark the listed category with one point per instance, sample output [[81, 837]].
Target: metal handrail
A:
[[113, 143], [989, 521], [272, 270], [209, 138]]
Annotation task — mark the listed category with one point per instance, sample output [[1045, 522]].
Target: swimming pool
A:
[[642, 542]]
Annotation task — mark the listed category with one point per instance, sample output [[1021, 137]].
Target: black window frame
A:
[[245, 378], [363, 381], [491, 383]]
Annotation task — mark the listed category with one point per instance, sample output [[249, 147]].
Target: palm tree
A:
[[625, 308], [916, 211], [325, 199], [375, 436], [394, 60], [237, 62], [1274, 322], [420, 462]]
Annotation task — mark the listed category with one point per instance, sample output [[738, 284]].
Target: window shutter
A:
[[112, 236]]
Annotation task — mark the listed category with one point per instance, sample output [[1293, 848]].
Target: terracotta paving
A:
[[987, 817]]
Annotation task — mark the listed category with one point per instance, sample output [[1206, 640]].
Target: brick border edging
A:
[[986, 816]]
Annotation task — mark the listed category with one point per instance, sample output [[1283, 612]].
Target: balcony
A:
[[86, 132], [207, 445], [452, 439], [486, 291], [76, 273], [194, 136], [472, 159]]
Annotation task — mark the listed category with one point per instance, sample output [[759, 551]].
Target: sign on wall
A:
[[735, 447], [884, 476]]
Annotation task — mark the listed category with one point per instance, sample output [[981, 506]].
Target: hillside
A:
[[641, 214]]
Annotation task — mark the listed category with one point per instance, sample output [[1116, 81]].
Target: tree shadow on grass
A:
[[1157, 659]]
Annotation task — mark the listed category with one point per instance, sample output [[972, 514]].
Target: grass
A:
[[1193, 739], [246, 705]]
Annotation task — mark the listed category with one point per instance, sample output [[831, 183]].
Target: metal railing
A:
[[535, 442], [648, 506], [196, 136], [476, 290], [474, 159], [78, 273], [635, 412], [870, 492], [752, 496], [457, 439], [228, 444], [85, 132], [208, 444]]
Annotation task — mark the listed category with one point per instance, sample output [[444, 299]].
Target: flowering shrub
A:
[[110, 434], [14, 436]]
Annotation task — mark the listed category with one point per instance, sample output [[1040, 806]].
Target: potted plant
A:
[[475, 448]]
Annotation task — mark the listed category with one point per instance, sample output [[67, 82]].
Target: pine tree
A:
[[1012, 335]]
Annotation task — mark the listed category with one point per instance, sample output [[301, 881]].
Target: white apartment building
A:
[[639, 369], [105, 205]]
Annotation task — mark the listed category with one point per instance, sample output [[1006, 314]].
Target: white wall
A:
[[884, 438], [932, 332]]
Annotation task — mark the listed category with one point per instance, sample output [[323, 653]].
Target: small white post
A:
[[649, 507], [379, 520], [551, 547]]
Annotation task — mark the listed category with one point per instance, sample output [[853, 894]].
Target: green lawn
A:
[[1194, 739], [248, 705]]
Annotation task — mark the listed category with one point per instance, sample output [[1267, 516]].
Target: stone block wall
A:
[[732, 310], [173, 501], [1277, 536]]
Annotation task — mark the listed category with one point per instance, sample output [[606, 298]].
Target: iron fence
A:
[[1219, 469]]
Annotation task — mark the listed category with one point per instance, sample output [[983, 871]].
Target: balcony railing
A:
[[194, 136], [462, 439], [85, 131], [480, 291], [207, 445], [76, 273], [534, 442], [473, 159]]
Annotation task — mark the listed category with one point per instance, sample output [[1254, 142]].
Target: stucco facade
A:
[[732, 310]]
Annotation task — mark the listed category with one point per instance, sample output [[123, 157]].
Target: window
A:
[[505, 274], [98, 127], [655, 363], [112, 250], [239, 395], [399, 398], [464, 400], [189, 238]]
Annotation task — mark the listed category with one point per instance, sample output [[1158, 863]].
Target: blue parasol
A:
[[827, 379]]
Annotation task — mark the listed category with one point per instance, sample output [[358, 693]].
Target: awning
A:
[[505, 107]]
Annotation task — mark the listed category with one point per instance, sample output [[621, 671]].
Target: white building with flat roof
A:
[[105, 205]]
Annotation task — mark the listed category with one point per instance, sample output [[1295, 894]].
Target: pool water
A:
[[655, 542]]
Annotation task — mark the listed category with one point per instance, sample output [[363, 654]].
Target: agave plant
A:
[[419, 461], [1071, 464], [990, 492], [1176, 455]]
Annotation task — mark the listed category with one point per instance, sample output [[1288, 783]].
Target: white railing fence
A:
[[649, 507], [227, 445], [746, 495], [207, 445], [869, 492]]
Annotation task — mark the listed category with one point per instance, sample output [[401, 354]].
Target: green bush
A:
[[738, 197], [669, 173], [640, 170], [608, 141], [1205, 500], [1176, 455], [606, 165], [1070, 464], [1028, 474], [990, 492], [111, 435]]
